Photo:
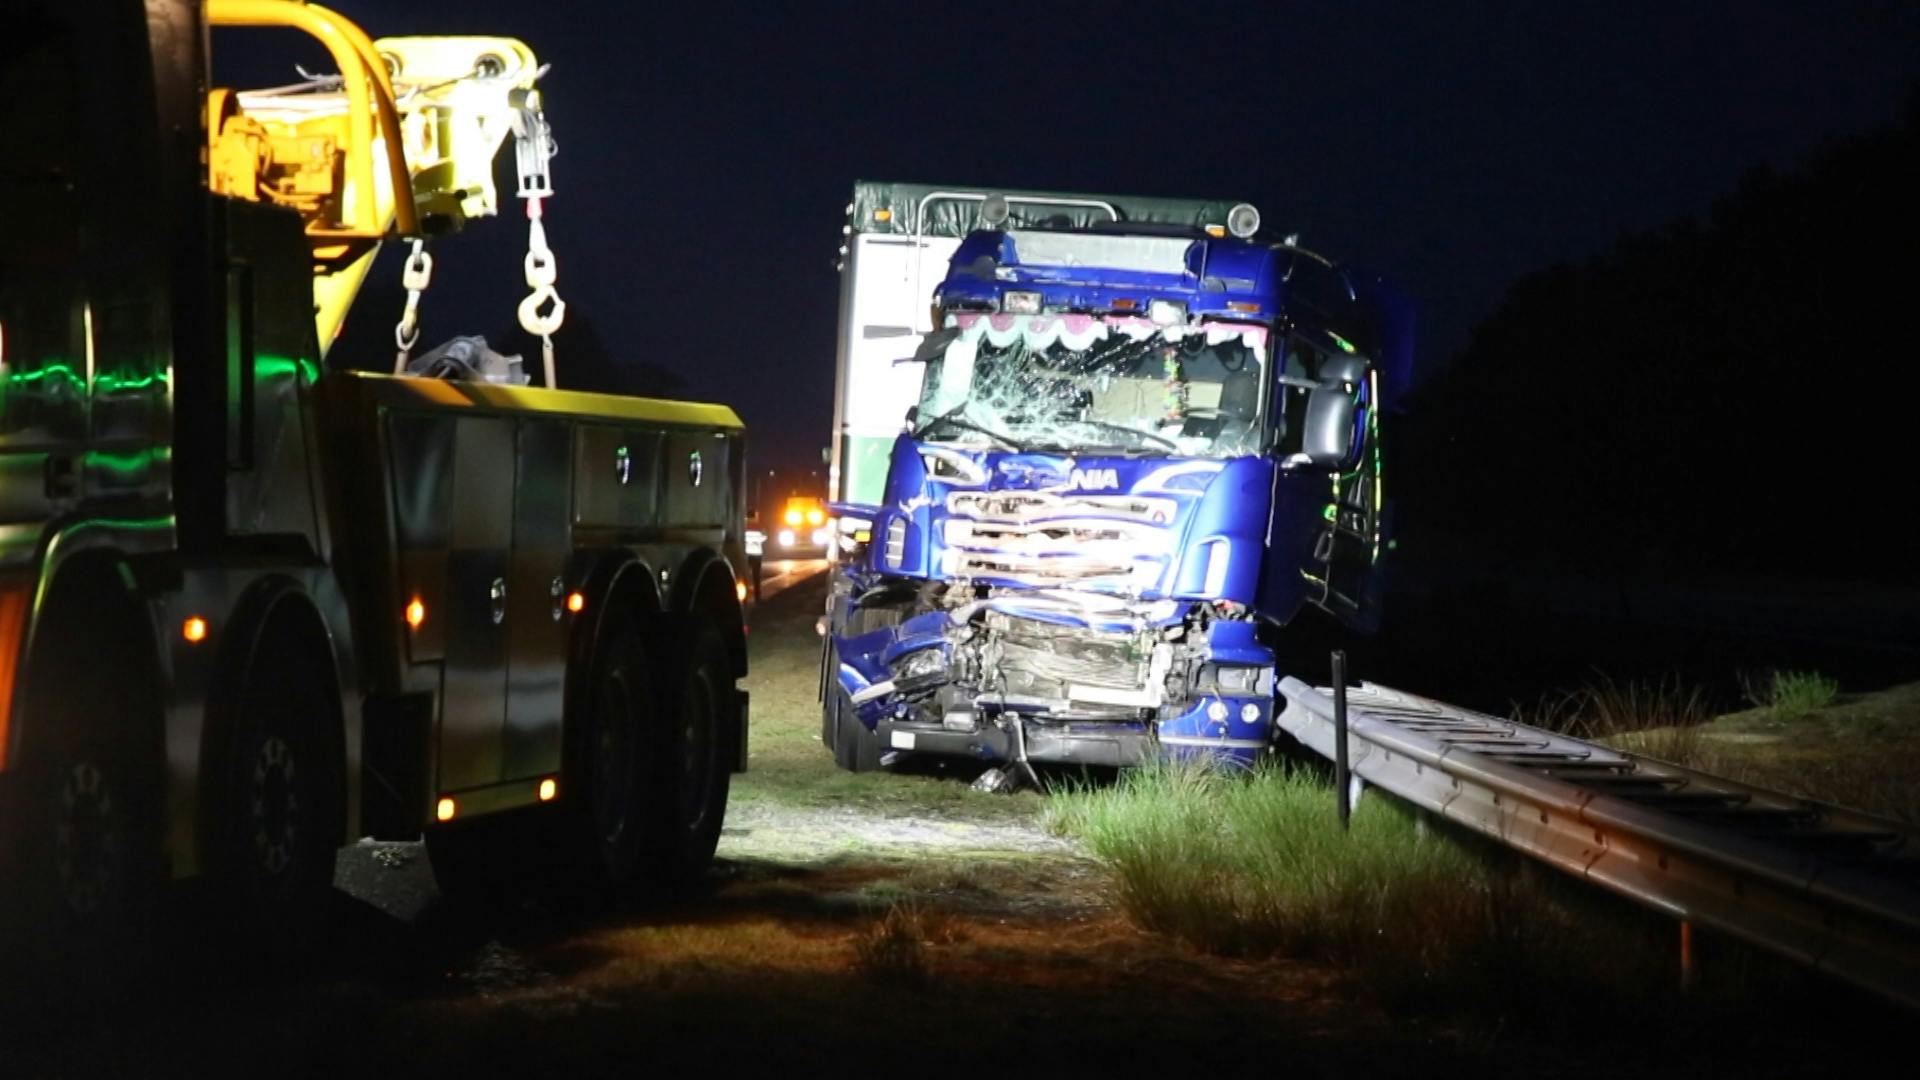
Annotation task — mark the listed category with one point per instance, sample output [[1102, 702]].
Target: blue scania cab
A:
[[1139, 448]]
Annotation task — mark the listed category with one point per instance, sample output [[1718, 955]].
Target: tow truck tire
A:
[[279, 806], [692, 766], [91, 864], [608, 767]]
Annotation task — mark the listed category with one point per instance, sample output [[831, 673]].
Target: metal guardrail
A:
[[1833, 889]]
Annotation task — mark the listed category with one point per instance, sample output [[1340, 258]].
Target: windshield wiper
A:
[[953, 416], [1162, 439]]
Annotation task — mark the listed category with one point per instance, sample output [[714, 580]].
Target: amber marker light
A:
[[548, 789], [576, 602], [194, 630], [444, 809], [416, 614], [739, 590]]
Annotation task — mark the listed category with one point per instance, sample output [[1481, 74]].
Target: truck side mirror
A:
[[1327, 438], [932, 347]]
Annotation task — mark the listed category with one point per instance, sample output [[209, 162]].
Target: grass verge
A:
[[1422, 918]]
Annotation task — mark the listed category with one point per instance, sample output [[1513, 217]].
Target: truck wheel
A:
[[855, 748], [278, 812], [92, 863], [694, 772], [829, 698], [620, 727]]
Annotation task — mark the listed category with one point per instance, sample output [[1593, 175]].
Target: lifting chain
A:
[[415, 278]]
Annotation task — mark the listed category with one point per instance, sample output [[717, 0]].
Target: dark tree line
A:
[[1729, 394]]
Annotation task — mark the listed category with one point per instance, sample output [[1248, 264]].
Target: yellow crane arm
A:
[[402, 142]]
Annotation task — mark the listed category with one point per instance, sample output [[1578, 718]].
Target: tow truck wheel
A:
[[690, 781], [619, 727], [279, 809], [92, 861]]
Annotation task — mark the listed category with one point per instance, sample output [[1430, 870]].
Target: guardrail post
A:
[[1341, 780]]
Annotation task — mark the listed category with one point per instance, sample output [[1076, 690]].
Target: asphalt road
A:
[[779, 575]]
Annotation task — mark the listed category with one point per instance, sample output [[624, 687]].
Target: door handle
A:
[[497, 592]]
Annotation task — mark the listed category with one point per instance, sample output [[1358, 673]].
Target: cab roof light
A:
[[1243, 220]]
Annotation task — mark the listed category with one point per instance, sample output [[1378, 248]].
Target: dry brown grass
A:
[[1861, 751]]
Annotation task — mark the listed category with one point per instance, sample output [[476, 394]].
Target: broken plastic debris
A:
[[994, 780]]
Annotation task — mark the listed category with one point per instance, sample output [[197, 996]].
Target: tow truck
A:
[[256, 602]]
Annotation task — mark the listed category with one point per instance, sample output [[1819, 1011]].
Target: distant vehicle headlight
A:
[[786, 537], [820, 537]]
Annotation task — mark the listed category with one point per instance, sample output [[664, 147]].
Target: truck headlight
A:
[[919, 663], [1020, 303], [786, 537]]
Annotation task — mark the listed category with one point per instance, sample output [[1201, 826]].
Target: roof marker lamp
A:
[[1167, 313], [1020, 303], [1243, 220]]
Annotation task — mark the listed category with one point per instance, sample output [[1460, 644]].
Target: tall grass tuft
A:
[[1431, 919], [1791, 695], [1258, 864], [1661, 719], [893, 951]]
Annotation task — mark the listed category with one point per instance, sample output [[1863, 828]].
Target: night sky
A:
[[706, 155]]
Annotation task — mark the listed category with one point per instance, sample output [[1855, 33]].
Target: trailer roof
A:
[[881, 206]]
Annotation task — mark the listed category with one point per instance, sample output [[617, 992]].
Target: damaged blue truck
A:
[[1092, 456]]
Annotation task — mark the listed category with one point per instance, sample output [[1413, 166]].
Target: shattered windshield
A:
[[1087, 384]]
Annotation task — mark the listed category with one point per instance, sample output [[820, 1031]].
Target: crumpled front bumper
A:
[[1194, 734]]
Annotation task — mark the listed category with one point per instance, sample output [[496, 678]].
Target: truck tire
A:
[[91, 859], [277, 812], [620, 727], [855, 748], [829, 697], [691, 778]]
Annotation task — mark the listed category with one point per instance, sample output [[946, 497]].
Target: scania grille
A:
[[1022, 507]]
